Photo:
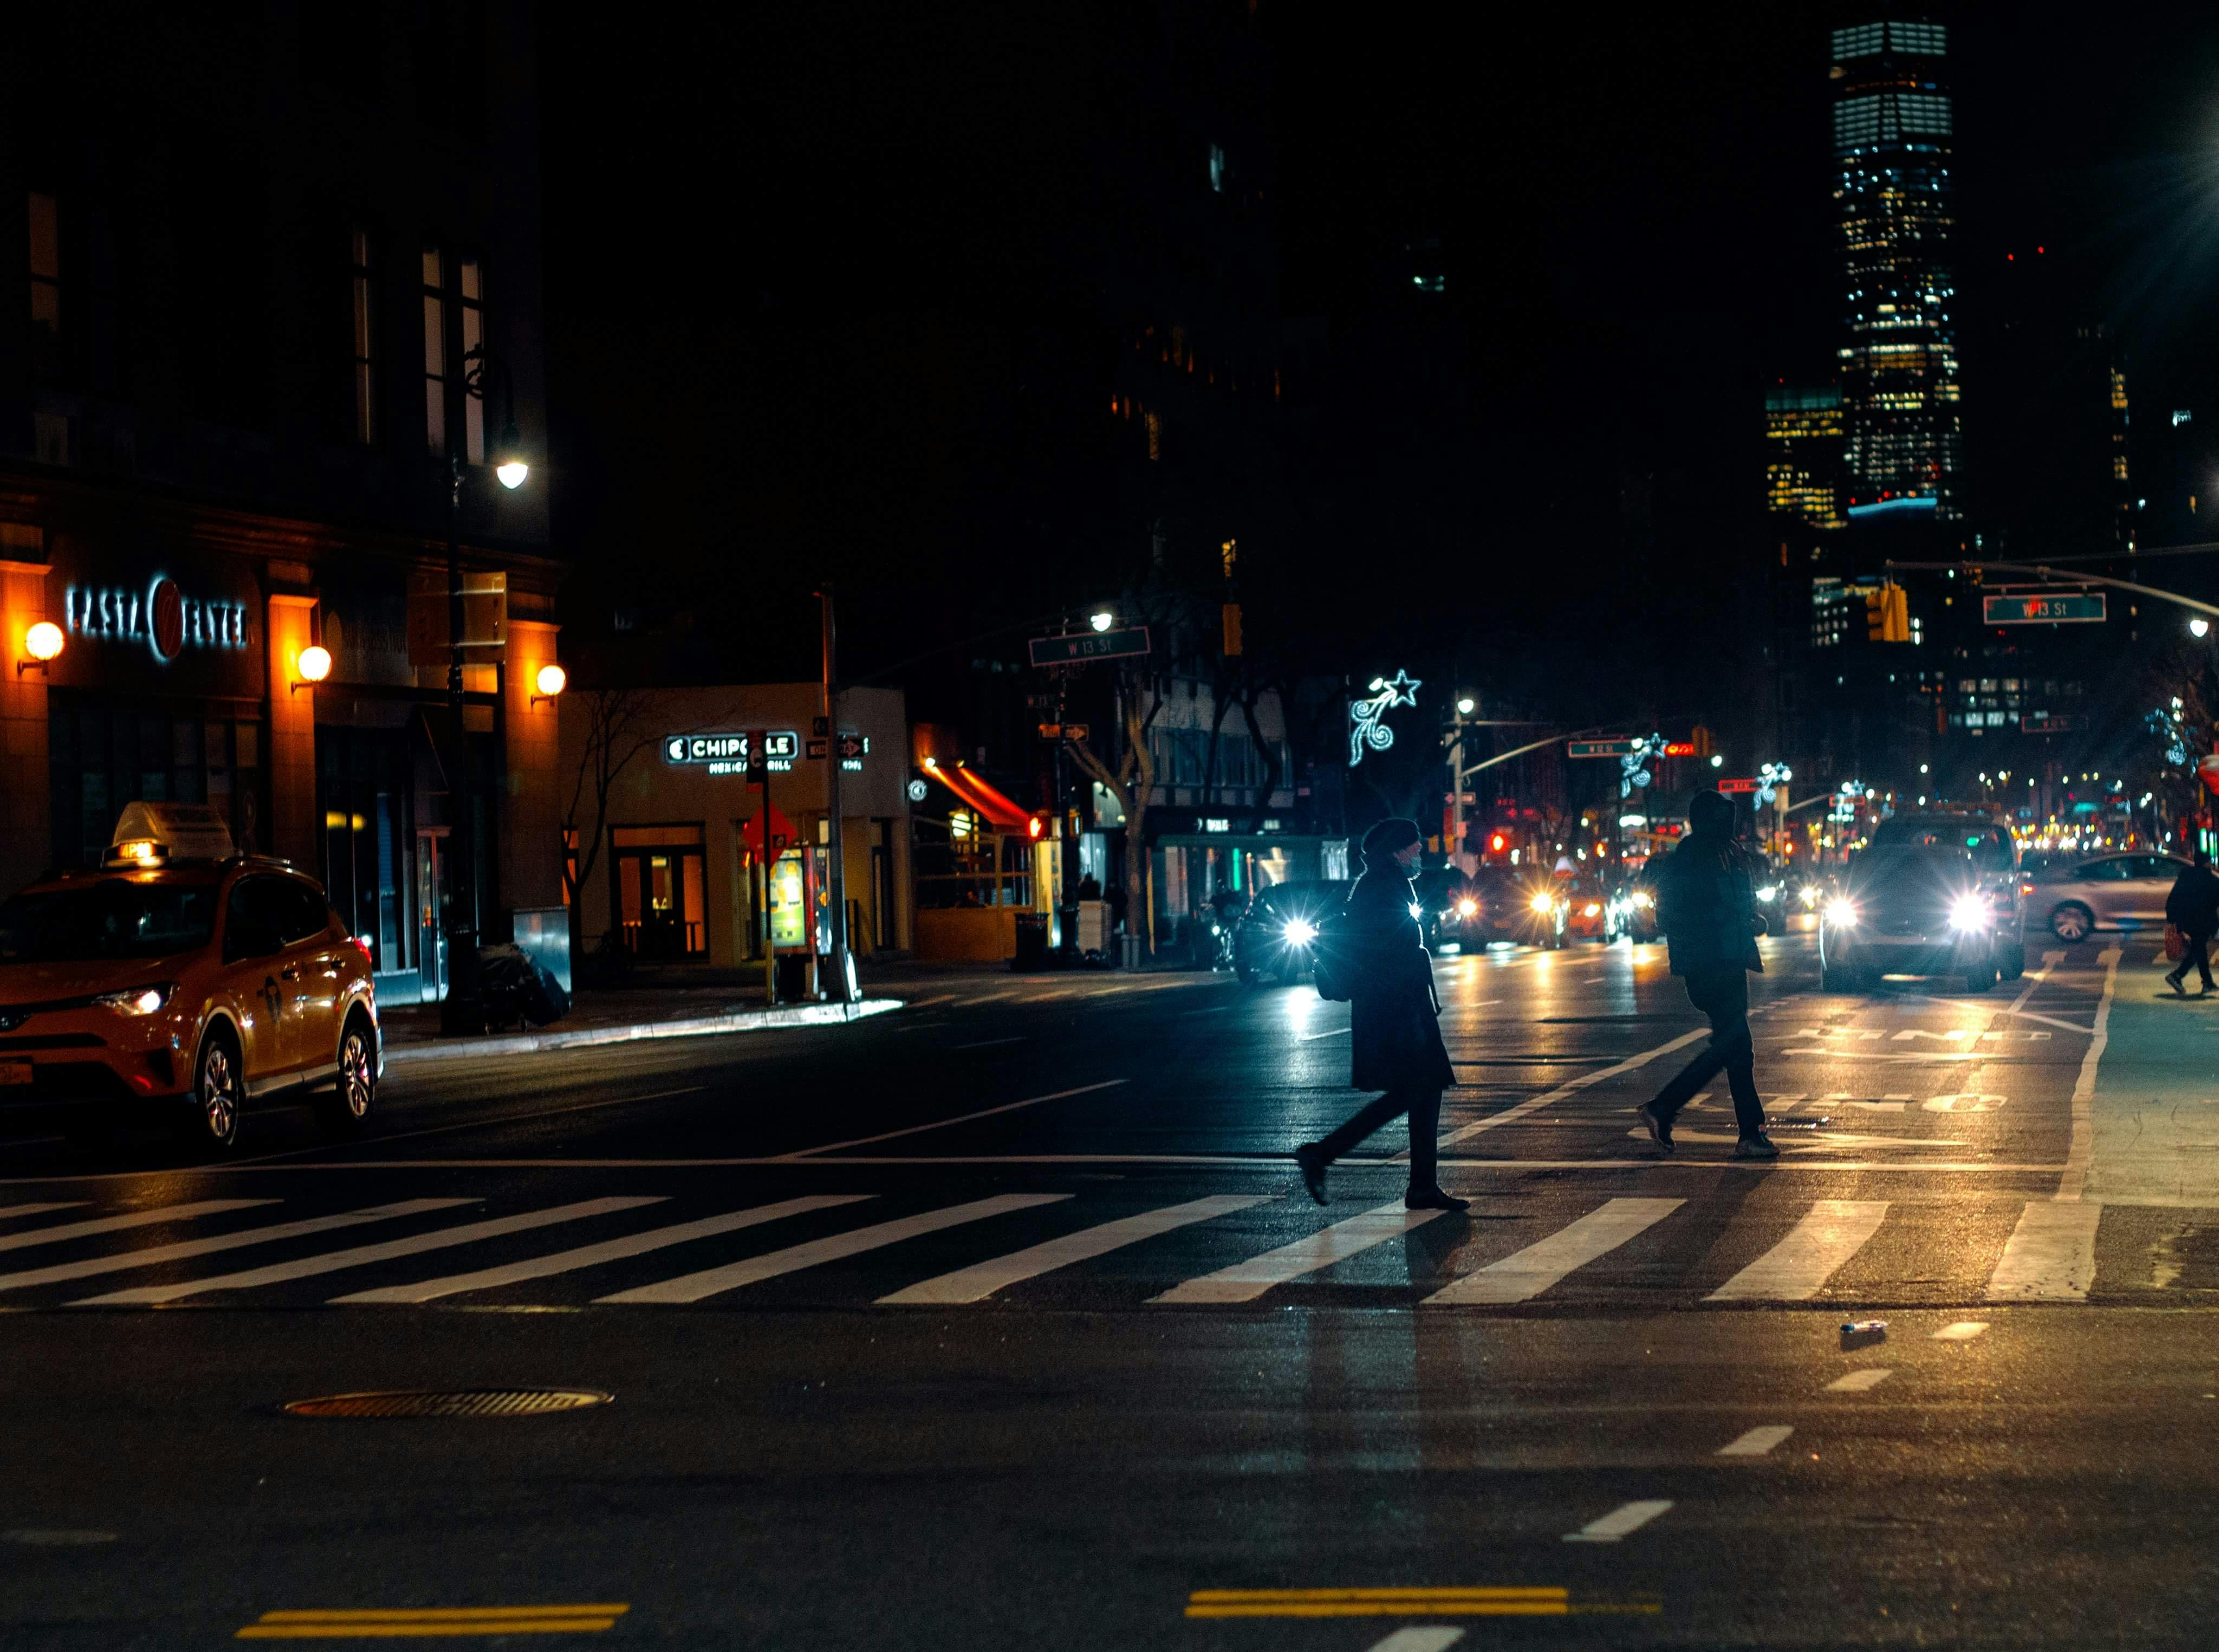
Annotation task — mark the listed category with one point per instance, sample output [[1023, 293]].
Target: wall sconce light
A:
[[550, 681], [41, 643], [313, 665]]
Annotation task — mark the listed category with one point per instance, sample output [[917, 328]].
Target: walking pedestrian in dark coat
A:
[[1706, 906], [1395, 1042], [2193, 908]]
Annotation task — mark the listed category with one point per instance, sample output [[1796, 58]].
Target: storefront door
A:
[[661, 891], [430, 910]]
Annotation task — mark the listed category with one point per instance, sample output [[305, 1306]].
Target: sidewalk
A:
[[624, 1015], [2154, 1113]]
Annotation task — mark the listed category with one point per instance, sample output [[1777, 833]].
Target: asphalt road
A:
[[1132, 1388]]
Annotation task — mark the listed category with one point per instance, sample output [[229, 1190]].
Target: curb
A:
[[744, 1021]]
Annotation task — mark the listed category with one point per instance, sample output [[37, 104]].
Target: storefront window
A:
[[100, 757]]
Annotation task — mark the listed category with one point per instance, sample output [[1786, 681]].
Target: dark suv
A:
[[1933, 895]]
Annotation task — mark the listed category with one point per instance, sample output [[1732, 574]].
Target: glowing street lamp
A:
[[43, 644], [1102, 619]]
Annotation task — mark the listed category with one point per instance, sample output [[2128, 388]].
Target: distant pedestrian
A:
[[1706, 906], [2193, 908], [1394, 1042]]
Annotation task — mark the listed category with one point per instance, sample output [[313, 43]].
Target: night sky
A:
[[1634, 215]]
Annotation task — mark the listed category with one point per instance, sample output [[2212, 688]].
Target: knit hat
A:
[[1709, 812], [1389, 838]]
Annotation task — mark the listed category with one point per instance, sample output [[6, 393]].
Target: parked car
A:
[[2076, 897], [190, 989], [1277, 936]]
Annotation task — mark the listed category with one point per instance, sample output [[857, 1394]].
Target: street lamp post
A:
[[462, 1013]]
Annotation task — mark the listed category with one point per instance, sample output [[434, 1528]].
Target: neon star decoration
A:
[[1364, 727], [1634, 767], [1769, 779]]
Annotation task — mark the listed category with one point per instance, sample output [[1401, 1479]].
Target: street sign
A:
[[2037, 608], [1065, 730], [1732, 788], [2065, 722], [1601, 748], [1078, 648], [781, 833], [852, 748]]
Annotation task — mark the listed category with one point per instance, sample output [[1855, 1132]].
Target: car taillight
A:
[[367, 955], [2026, 889]]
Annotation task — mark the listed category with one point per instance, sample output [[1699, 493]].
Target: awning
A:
[[974, 789]]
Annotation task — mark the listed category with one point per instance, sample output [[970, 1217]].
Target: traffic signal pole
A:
[[2063, 576]]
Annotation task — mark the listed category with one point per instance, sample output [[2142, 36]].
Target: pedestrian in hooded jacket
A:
[[1706, 906], [1394, 1042], [2193, 908]]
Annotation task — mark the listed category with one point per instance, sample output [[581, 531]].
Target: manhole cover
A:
[[451, 1402]]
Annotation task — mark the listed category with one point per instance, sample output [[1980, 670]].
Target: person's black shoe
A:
[[2175, 982], [1433, 1199], [1311, 1163], [1659, 1128]]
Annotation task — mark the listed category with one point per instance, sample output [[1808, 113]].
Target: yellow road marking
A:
[[1474, 1602], [419, 1622]]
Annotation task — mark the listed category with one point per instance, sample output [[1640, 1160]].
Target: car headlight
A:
[[1467, 908], [1809, 894], [1842, 913], [1969, 912], [1770, 891], [1589, 909], [1543, 903], [1299, 932], [138, 1001]]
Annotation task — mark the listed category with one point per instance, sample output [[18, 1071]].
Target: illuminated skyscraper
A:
[[1892, 144], [1803, 455]]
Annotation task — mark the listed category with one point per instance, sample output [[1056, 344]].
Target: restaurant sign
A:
[[727, 753], [162, 617]]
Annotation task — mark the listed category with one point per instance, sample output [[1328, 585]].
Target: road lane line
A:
[[1243, 1282], [1963, 1331], [982, 1280], [56, 1235], [1858, 1382], [709, 1282], [988, 1043], [1525, 1274], [122, 1260], [1625, 1519], [937, 998], [2050, 1256], [942, 1124], [1429, 1637], [1510, 1115], [2075, 1179], [1797, 1267], [588, 1256], [361, 1256], [1757, 1442], [12, 1211], [1512, 1602], [1338, 1032]]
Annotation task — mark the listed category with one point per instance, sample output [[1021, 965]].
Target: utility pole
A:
[[460, 1012], [836, 881]]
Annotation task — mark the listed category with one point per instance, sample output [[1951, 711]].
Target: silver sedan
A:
[[2112, 892]]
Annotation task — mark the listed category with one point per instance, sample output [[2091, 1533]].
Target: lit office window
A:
[[46, 286], [435, 351], [358, 281]]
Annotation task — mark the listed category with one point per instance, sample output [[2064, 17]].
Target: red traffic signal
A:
[[1497, 843], [1034, 826]]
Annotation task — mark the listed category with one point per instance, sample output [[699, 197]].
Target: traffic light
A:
[[1232, 629], [1037, 826], [1887, 614], [1700, 738], [1497, 843]]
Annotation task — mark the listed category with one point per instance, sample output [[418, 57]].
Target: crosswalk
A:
[[895, 1248]]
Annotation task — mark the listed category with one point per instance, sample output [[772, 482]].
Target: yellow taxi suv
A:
[[182, 980]]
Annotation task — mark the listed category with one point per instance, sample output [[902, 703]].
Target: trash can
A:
[[793, 978], [1032, 942]]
